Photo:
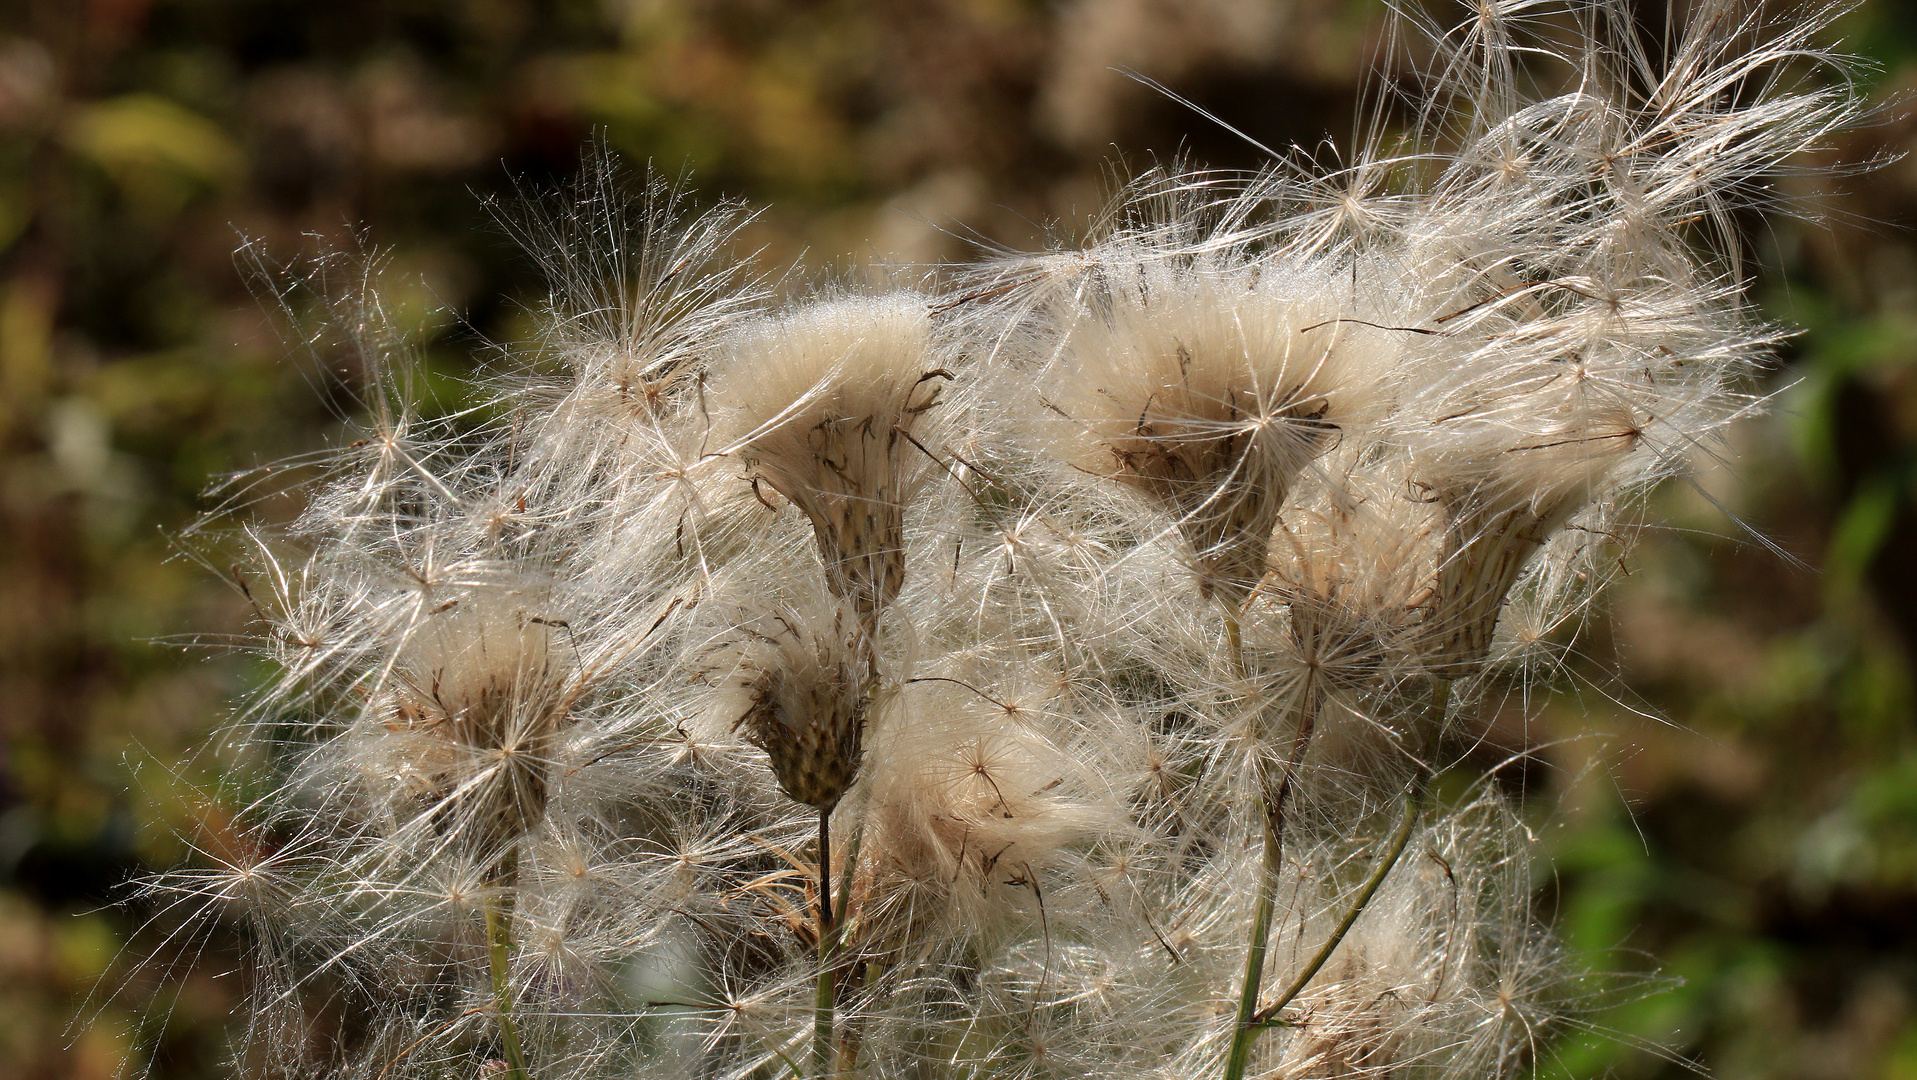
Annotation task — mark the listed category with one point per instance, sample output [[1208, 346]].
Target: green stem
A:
[[822, 1004], [1407, 820], [1400, 838], [847, 961], [499, 948], [1269, 809], [1235, 644], [1272, 807], [1246, 1028]]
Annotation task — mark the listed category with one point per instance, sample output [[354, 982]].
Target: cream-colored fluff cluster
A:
[[1038, 671]]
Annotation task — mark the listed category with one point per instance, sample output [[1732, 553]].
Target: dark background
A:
[[1727, 785]]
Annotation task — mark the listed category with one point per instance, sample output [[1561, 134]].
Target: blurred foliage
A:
[[1726, 788]]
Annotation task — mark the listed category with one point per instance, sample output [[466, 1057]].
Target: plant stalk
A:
[[1272, 808], [1246, 1029], [1407, 821], [1400, 838], [499, 949], [847, 961], [822, 1004]]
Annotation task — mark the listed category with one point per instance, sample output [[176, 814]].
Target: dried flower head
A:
[[476, 699], [823, 403], [1501, 504], [969, 803], [1349, 569], [1208, 384], [807, 677]]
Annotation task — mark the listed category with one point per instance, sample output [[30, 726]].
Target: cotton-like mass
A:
[[1041, 670]]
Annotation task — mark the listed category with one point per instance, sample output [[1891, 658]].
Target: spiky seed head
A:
[[811, 725], [1501, 503], [478, 695], [809, 678], [1208, 387], [823, 404]]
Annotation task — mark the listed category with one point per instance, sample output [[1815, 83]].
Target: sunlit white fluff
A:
[[1090, 599], [821, 405], [1208, 384]]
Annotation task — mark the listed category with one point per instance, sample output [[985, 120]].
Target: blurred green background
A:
[[1727, 784]]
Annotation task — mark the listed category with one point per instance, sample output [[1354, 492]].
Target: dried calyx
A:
[[809, 681]]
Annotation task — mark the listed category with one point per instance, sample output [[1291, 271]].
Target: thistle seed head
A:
[[823, 405], [1501, 503], [970, 801], [1363, 408], [1208, 385], [1349, 567], [808, 682], [478, 695]]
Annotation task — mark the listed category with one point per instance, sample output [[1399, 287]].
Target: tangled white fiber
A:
[[1040, 671]]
